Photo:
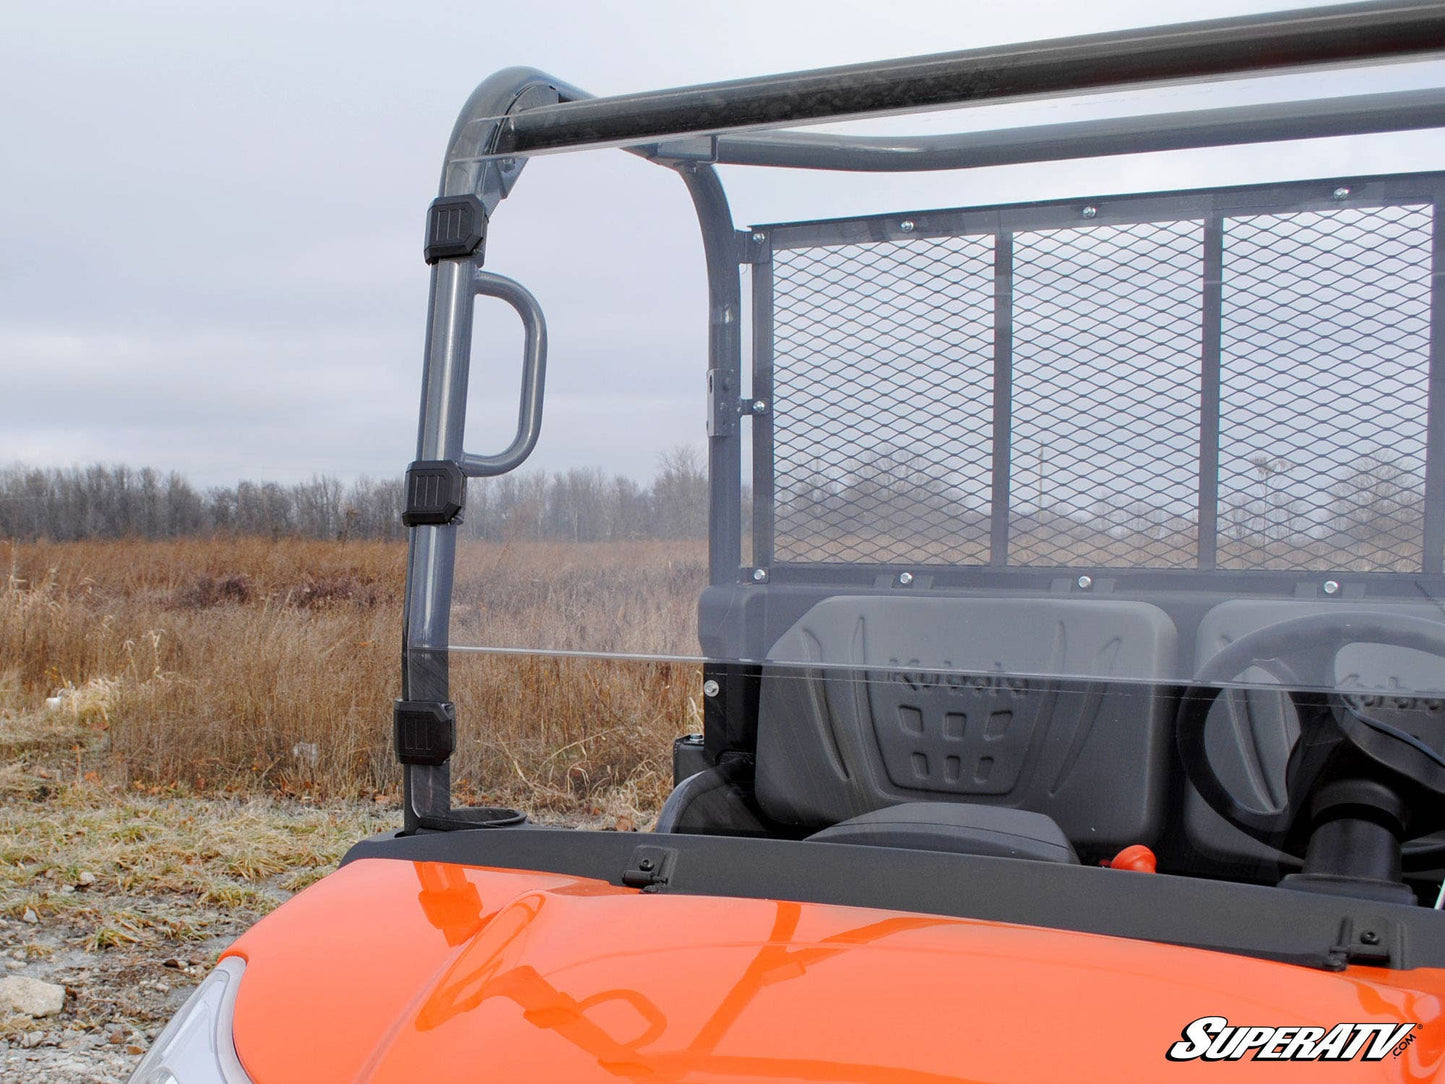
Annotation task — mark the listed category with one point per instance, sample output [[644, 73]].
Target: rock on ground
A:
[[32, 997]]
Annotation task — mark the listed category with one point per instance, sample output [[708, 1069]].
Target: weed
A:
[[111, 935]]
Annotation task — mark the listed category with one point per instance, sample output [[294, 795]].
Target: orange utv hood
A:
[[398, 971]]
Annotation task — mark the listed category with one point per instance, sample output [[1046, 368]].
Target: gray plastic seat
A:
[[846, 729], [958, 828]]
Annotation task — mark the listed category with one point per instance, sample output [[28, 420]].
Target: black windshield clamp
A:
[[455, 226], [436, 493], [1368, 940], [425, 731], [649, 868]]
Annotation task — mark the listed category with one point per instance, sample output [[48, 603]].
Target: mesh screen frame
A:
[[821, 289]]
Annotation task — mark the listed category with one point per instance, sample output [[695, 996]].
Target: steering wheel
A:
[[1348, 760]]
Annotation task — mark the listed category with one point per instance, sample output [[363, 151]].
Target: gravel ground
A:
[[128, 900], [116, 1002]]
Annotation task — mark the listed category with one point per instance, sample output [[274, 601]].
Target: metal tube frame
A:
[[1000, 483], [1395, 111], [521, 111], [1210, 372], [534, 372], [1187, 52]]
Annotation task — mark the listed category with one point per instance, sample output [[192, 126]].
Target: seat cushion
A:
[[957, 827]]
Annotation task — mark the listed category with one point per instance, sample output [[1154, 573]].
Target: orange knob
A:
[[1137, 857]]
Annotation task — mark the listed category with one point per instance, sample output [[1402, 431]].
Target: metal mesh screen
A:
[[883, 384], [1325, 371], [1237, 380], [1106, 342]]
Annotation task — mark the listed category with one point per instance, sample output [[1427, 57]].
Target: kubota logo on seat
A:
[[1214, 1038]]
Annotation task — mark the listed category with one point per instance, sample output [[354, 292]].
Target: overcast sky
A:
[[210, 215]]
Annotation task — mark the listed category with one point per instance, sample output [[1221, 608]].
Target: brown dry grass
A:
[[215, 664], [247, 853]]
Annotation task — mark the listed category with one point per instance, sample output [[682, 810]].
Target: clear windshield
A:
[[1097, 435]]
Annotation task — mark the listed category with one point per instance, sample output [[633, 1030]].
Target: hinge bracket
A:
[[754, 246], [722, 404]]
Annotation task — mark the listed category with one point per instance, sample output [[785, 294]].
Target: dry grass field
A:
[[247, 665]]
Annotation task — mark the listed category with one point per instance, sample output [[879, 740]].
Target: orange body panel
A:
[[392, 971]]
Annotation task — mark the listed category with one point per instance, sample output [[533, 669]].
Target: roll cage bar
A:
[[520, 112]]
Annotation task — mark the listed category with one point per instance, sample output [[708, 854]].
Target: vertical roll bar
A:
[[431, 550], [724, 348], [431, 553]]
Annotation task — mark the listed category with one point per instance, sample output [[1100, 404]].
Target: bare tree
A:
[[580, 505], [680, 494], [1378, 507]]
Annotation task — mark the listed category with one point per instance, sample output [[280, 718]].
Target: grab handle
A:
[[534, 373]]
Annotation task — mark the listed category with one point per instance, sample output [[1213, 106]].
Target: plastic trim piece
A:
[[198, 1044], [1293, 927]]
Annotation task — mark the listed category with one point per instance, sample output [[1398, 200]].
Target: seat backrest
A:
[[915, 699]]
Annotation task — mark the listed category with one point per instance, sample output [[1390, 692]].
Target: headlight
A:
[[196, 1046]]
